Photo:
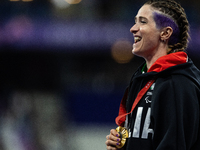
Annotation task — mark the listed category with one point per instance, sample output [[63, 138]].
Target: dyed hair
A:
[[164, 21], [173, 15]]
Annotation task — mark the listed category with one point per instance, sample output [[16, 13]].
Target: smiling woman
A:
[[163, 97], [148, 36]]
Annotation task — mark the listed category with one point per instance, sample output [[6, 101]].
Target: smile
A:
[[137, 39]]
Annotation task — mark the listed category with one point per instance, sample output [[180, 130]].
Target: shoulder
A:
[[176, 81], [177, 88]]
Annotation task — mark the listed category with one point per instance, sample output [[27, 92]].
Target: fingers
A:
[[111, 148], [113, 139], [112, 143], [114, 136], [114, 133]]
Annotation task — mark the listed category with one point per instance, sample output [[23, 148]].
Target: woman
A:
[[165, 115]]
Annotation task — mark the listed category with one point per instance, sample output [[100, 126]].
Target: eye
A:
[[143, 21]]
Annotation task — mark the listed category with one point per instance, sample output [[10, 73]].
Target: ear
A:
[[166, 33]]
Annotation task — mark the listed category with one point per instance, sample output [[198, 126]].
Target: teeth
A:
[[137, 39]]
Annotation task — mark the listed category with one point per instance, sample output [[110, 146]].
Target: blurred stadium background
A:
[[64, 65]]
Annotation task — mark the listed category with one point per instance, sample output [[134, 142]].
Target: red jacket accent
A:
[[167, 61]]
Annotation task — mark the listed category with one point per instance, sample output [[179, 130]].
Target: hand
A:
[[113, 139]]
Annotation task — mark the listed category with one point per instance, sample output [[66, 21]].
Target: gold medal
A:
[[123, 135]]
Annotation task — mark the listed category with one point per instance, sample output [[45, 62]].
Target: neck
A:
[[153, 57]]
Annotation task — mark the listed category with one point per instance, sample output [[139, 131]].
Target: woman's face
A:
[[146, 35]]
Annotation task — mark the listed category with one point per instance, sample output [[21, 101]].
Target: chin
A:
[[137, 52], [133, 51]]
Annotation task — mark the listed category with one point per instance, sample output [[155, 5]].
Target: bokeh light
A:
[[73, 1], [121, 51], [60, 3], [27, 0], [21, 0]]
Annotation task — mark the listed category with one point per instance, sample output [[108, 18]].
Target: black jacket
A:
[[168, 115]]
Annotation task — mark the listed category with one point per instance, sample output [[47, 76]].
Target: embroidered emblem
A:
[[147, 99]]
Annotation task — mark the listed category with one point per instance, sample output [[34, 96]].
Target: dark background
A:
[[79, 52]]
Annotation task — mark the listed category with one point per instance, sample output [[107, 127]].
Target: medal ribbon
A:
[[120, 119]]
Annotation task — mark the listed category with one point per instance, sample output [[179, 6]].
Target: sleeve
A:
[[175, 114]]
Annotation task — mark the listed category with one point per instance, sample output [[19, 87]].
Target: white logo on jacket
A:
[[147, 99], [146, 130]]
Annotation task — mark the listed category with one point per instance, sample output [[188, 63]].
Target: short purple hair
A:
[[164, 21]]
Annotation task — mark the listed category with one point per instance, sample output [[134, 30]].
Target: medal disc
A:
[[123, 135]]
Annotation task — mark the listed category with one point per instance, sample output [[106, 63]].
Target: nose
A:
[[134, 29]]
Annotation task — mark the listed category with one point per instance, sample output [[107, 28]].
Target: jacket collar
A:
[[167, 61]]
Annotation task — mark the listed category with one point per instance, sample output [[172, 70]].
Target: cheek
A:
[[151, 41], [151, 36]]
